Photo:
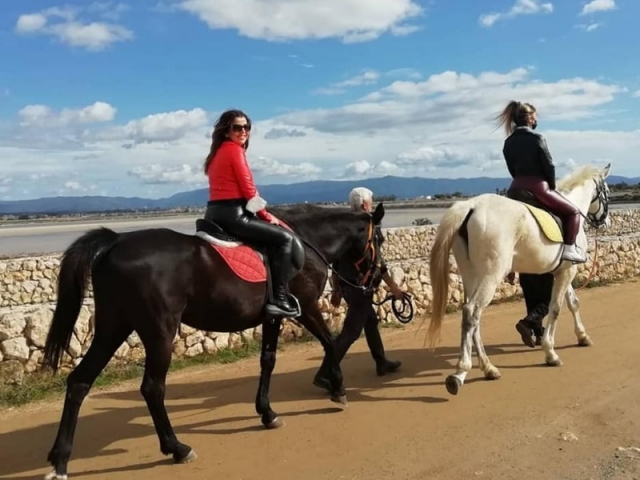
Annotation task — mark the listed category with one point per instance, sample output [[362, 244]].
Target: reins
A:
[[404, 314], [326, 262], [594, 264]]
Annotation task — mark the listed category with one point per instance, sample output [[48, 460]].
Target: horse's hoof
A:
[[188, 458], [492, 374], [453, 384], [585, 341], [275, 423], [340, 399], [53, 475], [554, 362]]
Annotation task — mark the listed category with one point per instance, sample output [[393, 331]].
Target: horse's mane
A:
[[316, 216], [576, 178], [313, 211]]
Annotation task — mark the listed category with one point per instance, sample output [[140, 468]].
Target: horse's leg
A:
[[574, 306], [158, 345], [110, 333], [490, 371], [471, 312], [560, 286], [270, 336], [312, 320]]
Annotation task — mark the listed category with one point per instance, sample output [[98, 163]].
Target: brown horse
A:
[[149, 281]]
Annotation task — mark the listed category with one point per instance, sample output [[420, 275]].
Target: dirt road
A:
[[536, 422]]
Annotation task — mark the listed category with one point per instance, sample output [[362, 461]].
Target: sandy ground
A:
[[536, 422]]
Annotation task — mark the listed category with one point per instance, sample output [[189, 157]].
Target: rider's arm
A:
[[242, 172], [508, 161], [546, 160]]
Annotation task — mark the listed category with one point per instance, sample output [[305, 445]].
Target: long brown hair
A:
[[515, 114], [220, 130]]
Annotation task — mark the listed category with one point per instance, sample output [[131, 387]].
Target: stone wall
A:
[[28, 295]]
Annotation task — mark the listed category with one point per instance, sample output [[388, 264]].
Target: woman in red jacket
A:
[[235, 204]]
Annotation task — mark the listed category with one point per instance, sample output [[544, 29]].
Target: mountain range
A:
[[312, 191]]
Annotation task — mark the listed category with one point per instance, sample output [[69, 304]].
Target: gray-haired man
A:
[[360, 312]]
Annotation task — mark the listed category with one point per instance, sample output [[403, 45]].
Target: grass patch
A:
[[39, 386]]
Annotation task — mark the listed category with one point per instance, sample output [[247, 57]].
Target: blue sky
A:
[[119, 98]]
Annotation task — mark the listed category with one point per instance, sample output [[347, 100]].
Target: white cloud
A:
[[636, 94], [44, 116], [598, 6], [280, 20], [268, 167], [520, 7], [157, 174], [159, 127], [367, 77], [437, 126], [589, 27], [65, 24], [364, 169]]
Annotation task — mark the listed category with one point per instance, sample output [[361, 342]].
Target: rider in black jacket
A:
[[531, 167]]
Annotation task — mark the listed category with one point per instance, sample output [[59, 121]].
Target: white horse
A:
[[491, 236]]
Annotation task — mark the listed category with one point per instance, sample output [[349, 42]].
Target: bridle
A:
[[599, 218], [596, 220], [367, 278]]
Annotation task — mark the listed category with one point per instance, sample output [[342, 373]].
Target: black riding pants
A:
[[231, 215], [537, 295], [360, 315]]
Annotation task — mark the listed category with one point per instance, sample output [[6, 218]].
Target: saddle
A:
[[249, 261], [218, 235], [549, 223]]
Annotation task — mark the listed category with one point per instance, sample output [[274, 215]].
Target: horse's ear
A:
[[378, 214], [606, 170]]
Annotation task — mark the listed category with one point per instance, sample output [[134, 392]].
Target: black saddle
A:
[[525, 196], [216, 231]]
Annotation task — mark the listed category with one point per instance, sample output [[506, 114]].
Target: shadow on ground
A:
[[97, 431]]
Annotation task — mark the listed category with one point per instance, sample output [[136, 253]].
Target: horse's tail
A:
[[449, 227], [75, 268]]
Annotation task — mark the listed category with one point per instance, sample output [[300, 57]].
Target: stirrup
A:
[[574, 254], [291, 311]]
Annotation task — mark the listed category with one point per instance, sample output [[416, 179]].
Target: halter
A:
[[599, 218]]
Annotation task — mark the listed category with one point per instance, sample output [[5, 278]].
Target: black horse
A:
[[149, 281]]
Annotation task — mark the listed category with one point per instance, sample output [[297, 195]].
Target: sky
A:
[[120, 98]]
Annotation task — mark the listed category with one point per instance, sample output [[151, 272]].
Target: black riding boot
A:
[[531, 326], [282, 303]]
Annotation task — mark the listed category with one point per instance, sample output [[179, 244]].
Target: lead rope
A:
[[400, 315], [594, 264]]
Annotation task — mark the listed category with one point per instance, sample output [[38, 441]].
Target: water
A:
[[40, 239]]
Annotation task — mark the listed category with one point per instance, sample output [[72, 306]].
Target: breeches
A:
[[554, 202], [231, 216]]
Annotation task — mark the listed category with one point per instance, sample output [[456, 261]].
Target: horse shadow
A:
[[23, 450]]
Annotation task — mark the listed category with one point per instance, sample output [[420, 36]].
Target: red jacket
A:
[[230, 176]]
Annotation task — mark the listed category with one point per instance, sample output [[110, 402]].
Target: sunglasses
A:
[[239, 128]]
